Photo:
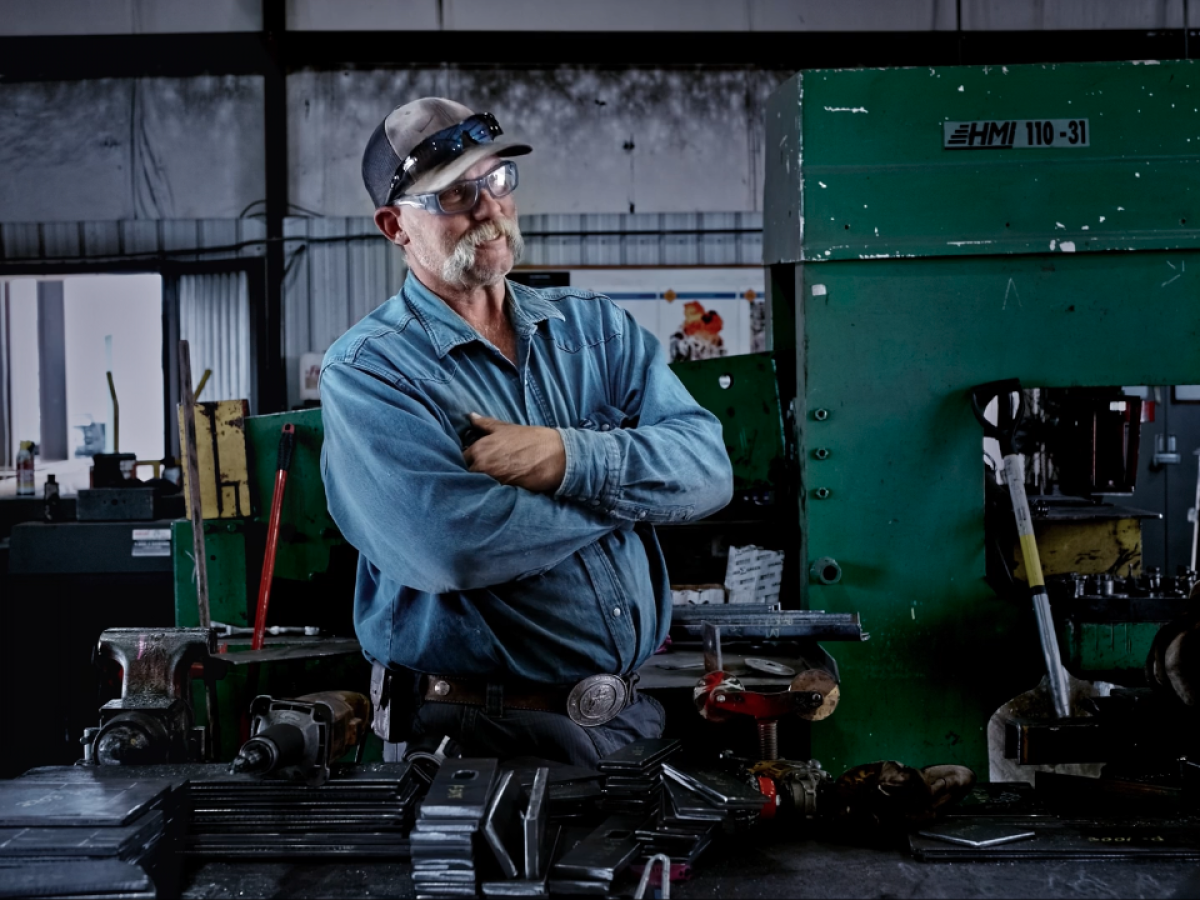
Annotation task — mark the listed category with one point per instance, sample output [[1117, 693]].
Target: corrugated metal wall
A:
[[129, 240], [339, 269], [214, 318], [643, 239]]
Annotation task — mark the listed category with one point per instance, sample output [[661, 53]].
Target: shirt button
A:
[[616, 611], [594, 502], [642, 514]]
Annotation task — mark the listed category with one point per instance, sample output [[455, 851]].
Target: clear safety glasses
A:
[[462, 196]]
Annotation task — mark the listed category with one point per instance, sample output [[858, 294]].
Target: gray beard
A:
[[459, 267]]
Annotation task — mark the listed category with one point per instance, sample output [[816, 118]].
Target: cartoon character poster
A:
[[699, 335], [696, 313]]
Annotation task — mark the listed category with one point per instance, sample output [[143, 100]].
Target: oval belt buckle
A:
[[596, 700]]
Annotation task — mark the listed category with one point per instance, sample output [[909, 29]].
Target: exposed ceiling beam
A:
[[69, 58]]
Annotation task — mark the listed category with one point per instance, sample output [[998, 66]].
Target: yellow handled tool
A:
[[1004, 430]]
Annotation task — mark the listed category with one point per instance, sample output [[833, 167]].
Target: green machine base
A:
[[922, 241]]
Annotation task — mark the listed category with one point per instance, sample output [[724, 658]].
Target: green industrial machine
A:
[[741, 391], [313, 584], [928, 230], [309, 542]]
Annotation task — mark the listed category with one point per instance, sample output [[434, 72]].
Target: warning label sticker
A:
[[151, 542]]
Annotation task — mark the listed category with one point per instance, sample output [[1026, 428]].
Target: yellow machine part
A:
[[221, 453], [1107, 545]]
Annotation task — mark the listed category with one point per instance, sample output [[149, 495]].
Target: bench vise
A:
[[152, 722]]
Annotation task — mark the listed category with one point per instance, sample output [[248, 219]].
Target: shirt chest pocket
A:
[[573, 378]]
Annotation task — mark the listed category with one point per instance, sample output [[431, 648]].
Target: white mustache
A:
[[490, 230], [462, 259]]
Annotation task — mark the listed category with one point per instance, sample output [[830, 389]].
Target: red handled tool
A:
[[287, 442]]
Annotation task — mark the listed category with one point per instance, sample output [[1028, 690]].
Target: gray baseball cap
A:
[[390, 149]]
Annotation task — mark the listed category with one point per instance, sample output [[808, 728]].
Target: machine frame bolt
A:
[[825, 570], [821, 453], [822, 493], [821, 415]]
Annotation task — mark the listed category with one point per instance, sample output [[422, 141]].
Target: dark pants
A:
[[523, 732]]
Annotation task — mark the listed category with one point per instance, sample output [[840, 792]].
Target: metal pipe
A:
[[203, 381], [1196, 514], [112, 391], [192, 467], [287, 442]]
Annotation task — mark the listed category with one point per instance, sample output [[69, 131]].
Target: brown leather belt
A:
[[593, 701], [467, 692]]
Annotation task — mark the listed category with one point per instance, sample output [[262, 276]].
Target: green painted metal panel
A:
[[1106, 651], [743, 393], [890, 350], [309, 532], [235, 548], [856, 166], [225, 544]]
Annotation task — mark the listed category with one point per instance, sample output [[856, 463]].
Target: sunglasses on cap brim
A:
[[462, 196], [441, 147]]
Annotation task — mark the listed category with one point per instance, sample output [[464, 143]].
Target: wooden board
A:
[[221, 448]]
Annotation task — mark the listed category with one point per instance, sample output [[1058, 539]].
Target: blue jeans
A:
[[526, 732]]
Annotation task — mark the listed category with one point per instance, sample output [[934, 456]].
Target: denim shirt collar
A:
[[447, 329]]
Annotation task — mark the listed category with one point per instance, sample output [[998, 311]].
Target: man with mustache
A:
[[498, 455]]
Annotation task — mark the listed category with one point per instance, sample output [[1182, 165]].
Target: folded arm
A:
[[671, 467], [400, 491]]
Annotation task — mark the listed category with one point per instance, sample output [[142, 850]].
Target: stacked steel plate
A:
[[705, 796], [447, 835], [66, 832], [591, 860], [633, 775], [363, 811]]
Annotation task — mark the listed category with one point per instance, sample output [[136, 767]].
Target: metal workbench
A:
[[766, 863]]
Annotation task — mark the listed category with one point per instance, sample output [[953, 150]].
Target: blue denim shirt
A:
[[461, 575]]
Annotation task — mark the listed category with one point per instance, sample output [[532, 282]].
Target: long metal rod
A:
[[1196, 515], [192, 463], [1060, 690], [203, 381], [112, 392], [286, 443]]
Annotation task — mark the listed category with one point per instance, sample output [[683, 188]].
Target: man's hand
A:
[[526, 456]]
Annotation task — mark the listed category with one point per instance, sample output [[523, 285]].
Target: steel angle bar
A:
[[533, 822], [501, 826]]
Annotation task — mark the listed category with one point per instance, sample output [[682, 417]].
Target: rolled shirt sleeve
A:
[[671, 467]]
